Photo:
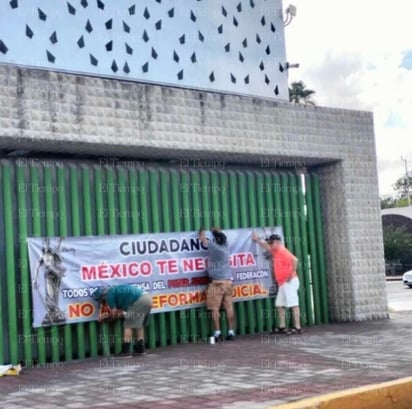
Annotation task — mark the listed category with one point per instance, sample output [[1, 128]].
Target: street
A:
[[399, 296]]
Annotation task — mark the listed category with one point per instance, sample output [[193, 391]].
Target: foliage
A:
[[402, 186], [400, 199], [397, 242], [299, 94], [389, 202]]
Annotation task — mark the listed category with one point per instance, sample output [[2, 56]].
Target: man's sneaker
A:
[[219, 338], [139, 348], [230, 337]]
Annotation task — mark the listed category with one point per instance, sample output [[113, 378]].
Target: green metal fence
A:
[[46, 198]]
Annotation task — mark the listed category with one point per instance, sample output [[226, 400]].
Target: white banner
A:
[[171, 266]]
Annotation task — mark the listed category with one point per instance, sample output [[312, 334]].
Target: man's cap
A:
[[100, 293], [273, 237]]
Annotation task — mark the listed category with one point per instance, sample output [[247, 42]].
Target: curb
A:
[[394, 278], [388, 395]]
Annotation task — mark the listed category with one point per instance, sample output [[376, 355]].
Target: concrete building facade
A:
[[46, 111]]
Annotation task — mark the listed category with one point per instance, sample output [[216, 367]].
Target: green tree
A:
[[397, 242], [400, 199], [299, 94], [388, 202], [402, 186]]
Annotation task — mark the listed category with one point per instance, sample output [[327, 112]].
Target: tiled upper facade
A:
[[234, 46]]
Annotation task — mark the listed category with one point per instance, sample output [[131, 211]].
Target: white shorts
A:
[[288, 294]]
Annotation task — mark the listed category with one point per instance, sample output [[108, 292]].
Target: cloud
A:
[[355, 56], [338, 80]]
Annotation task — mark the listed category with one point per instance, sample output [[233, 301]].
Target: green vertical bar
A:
[[139, 212], [233, 200], [62, 196], [139, 216], [257, 219], [266, 218], [169, 189], [149, 179], [186, 201], [50, 232], [314, 265], [225, 211], [243, 201], [229, 207], [254, 199], [185, 215], [286, 211], [24, 266], [294, 216], [199, 213], [122, 215], [134, 205], [249, 189], [305, 277], [209, 220], [217, 189], [101, 213], [112, 210], [36, 211], [10, 264], [176, 189], [154, 185], [225, 195], [74, 195], [88, 231], [235, 211], [143, 196], [275, 188], [203, 187], [278, 211], [113, 220], [266, 211], [243, 204], [320, 250], [100, 187], [164, 213], [297, 236], [286, 220], [120, 191]]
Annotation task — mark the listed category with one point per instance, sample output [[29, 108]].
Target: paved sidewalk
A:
[[255, 371]]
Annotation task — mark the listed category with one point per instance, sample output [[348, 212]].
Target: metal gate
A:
[[59, 198]]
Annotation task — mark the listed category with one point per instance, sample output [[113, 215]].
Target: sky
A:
[[357, 54]]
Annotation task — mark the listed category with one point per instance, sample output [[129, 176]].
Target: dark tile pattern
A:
[[135, 35]]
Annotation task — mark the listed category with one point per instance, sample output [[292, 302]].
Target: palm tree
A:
[[299, 94]]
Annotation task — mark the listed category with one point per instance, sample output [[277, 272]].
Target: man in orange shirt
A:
[[284, 266]]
